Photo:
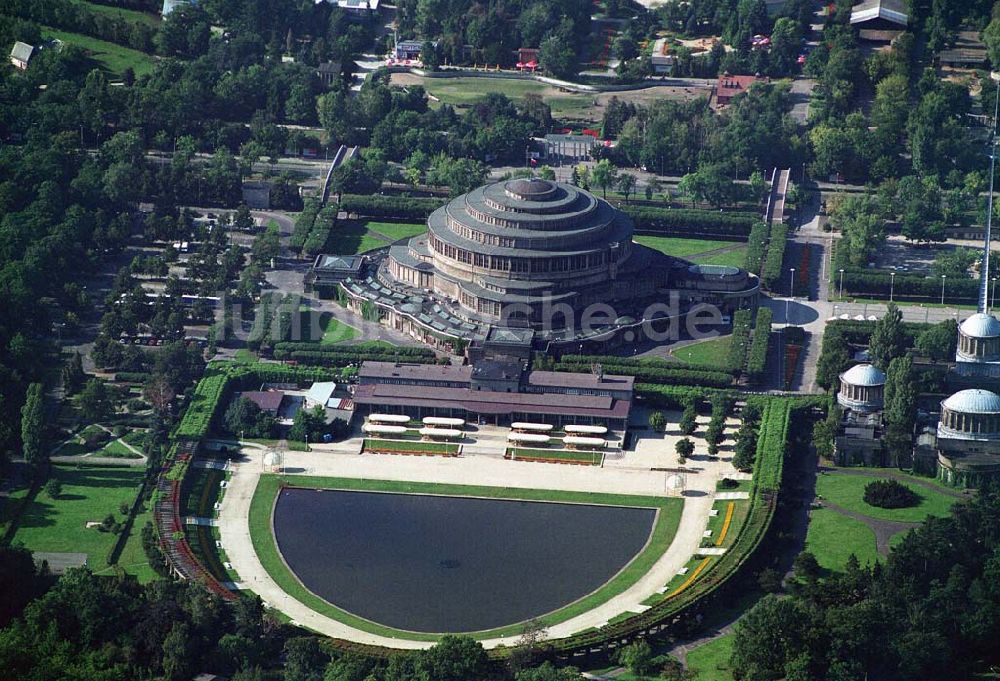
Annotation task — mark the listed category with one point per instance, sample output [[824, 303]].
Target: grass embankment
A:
[[848, 492], [114, 58], [833, 537], [89, 494], [702, 251], [267, 551], [336, 331], [710, 353], [396, 230]]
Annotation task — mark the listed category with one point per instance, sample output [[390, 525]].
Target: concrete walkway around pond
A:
[[472, 470]]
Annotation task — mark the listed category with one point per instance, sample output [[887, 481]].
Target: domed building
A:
[[978, 353], [534, 255], [862, 389], [968, 437], [861, 399]]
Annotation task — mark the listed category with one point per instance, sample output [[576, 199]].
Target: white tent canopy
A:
[[442, 421], [584, 441], [389, 418], [594, 430], [384, 430], [541, 427], [535, 438], [441, 432]]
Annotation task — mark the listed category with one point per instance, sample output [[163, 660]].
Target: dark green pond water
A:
[[452, 564]]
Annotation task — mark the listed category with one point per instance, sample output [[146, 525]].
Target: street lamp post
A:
[[791, 292], [892, 284], [841, 282], [943, 277], [993, 296]]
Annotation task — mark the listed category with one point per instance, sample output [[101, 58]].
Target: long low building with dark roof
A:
[[495, 392], [538, 255]]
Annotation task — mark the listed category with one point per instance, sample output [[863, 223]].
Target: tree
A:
[[940, 341], [546, 173], [657, 421], [454, 658], [887, 341], [33, 426], [637, 657], [604, 175], [709, 183], [626, 184], [95, 401], [73, 375], [684, 448], [53, 488], [304, 659], [763, 637], [556, 55], [242, 219], [266, 246], [900, 404]]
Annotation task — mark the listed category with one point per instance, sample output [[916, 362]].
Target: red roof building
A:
[[729, 86], [267, 400]]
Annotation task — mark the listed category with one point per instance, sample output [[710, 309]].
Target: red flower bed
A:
[[802, 273], [792, 353]]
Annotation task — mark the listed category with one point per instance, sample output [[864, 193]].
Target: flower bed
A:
[[802, 273], [792, 353]]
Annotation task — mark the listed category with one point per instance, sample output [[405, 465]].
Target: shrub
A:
[[890, 494], [684, 448], [729, 483], [53, 488]]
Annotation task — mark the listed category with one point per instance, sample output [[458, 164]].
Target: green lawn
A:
[[336, 331], [848, 491], [88, 494], [595, 458], [710, 662], [117, 450], [468, 90], [112, 57], [412, 446], [396, 230], [264, 544], [734, 258], [130, 14], [711, 353], [133, 559], [681, 247], [349, 238], [833, 537]]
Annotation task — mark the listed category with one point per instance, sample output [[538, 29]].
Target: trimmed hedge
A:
[[757, 358], [772, 270], [316, 241], [648, 370], [691, 222], [740, 342], [756, 247], [304, 224], [401, 207], [877, 284]]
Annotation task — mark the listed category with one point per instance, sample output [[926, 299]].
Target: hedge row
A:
[[691, 222], [771, 272], [757, 358], [304, 224], [867, 284], [756, 247], [197, 420], [372, 348], [401, 207], [676, 396], [320, 232], [346, 356], [739, 342]]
